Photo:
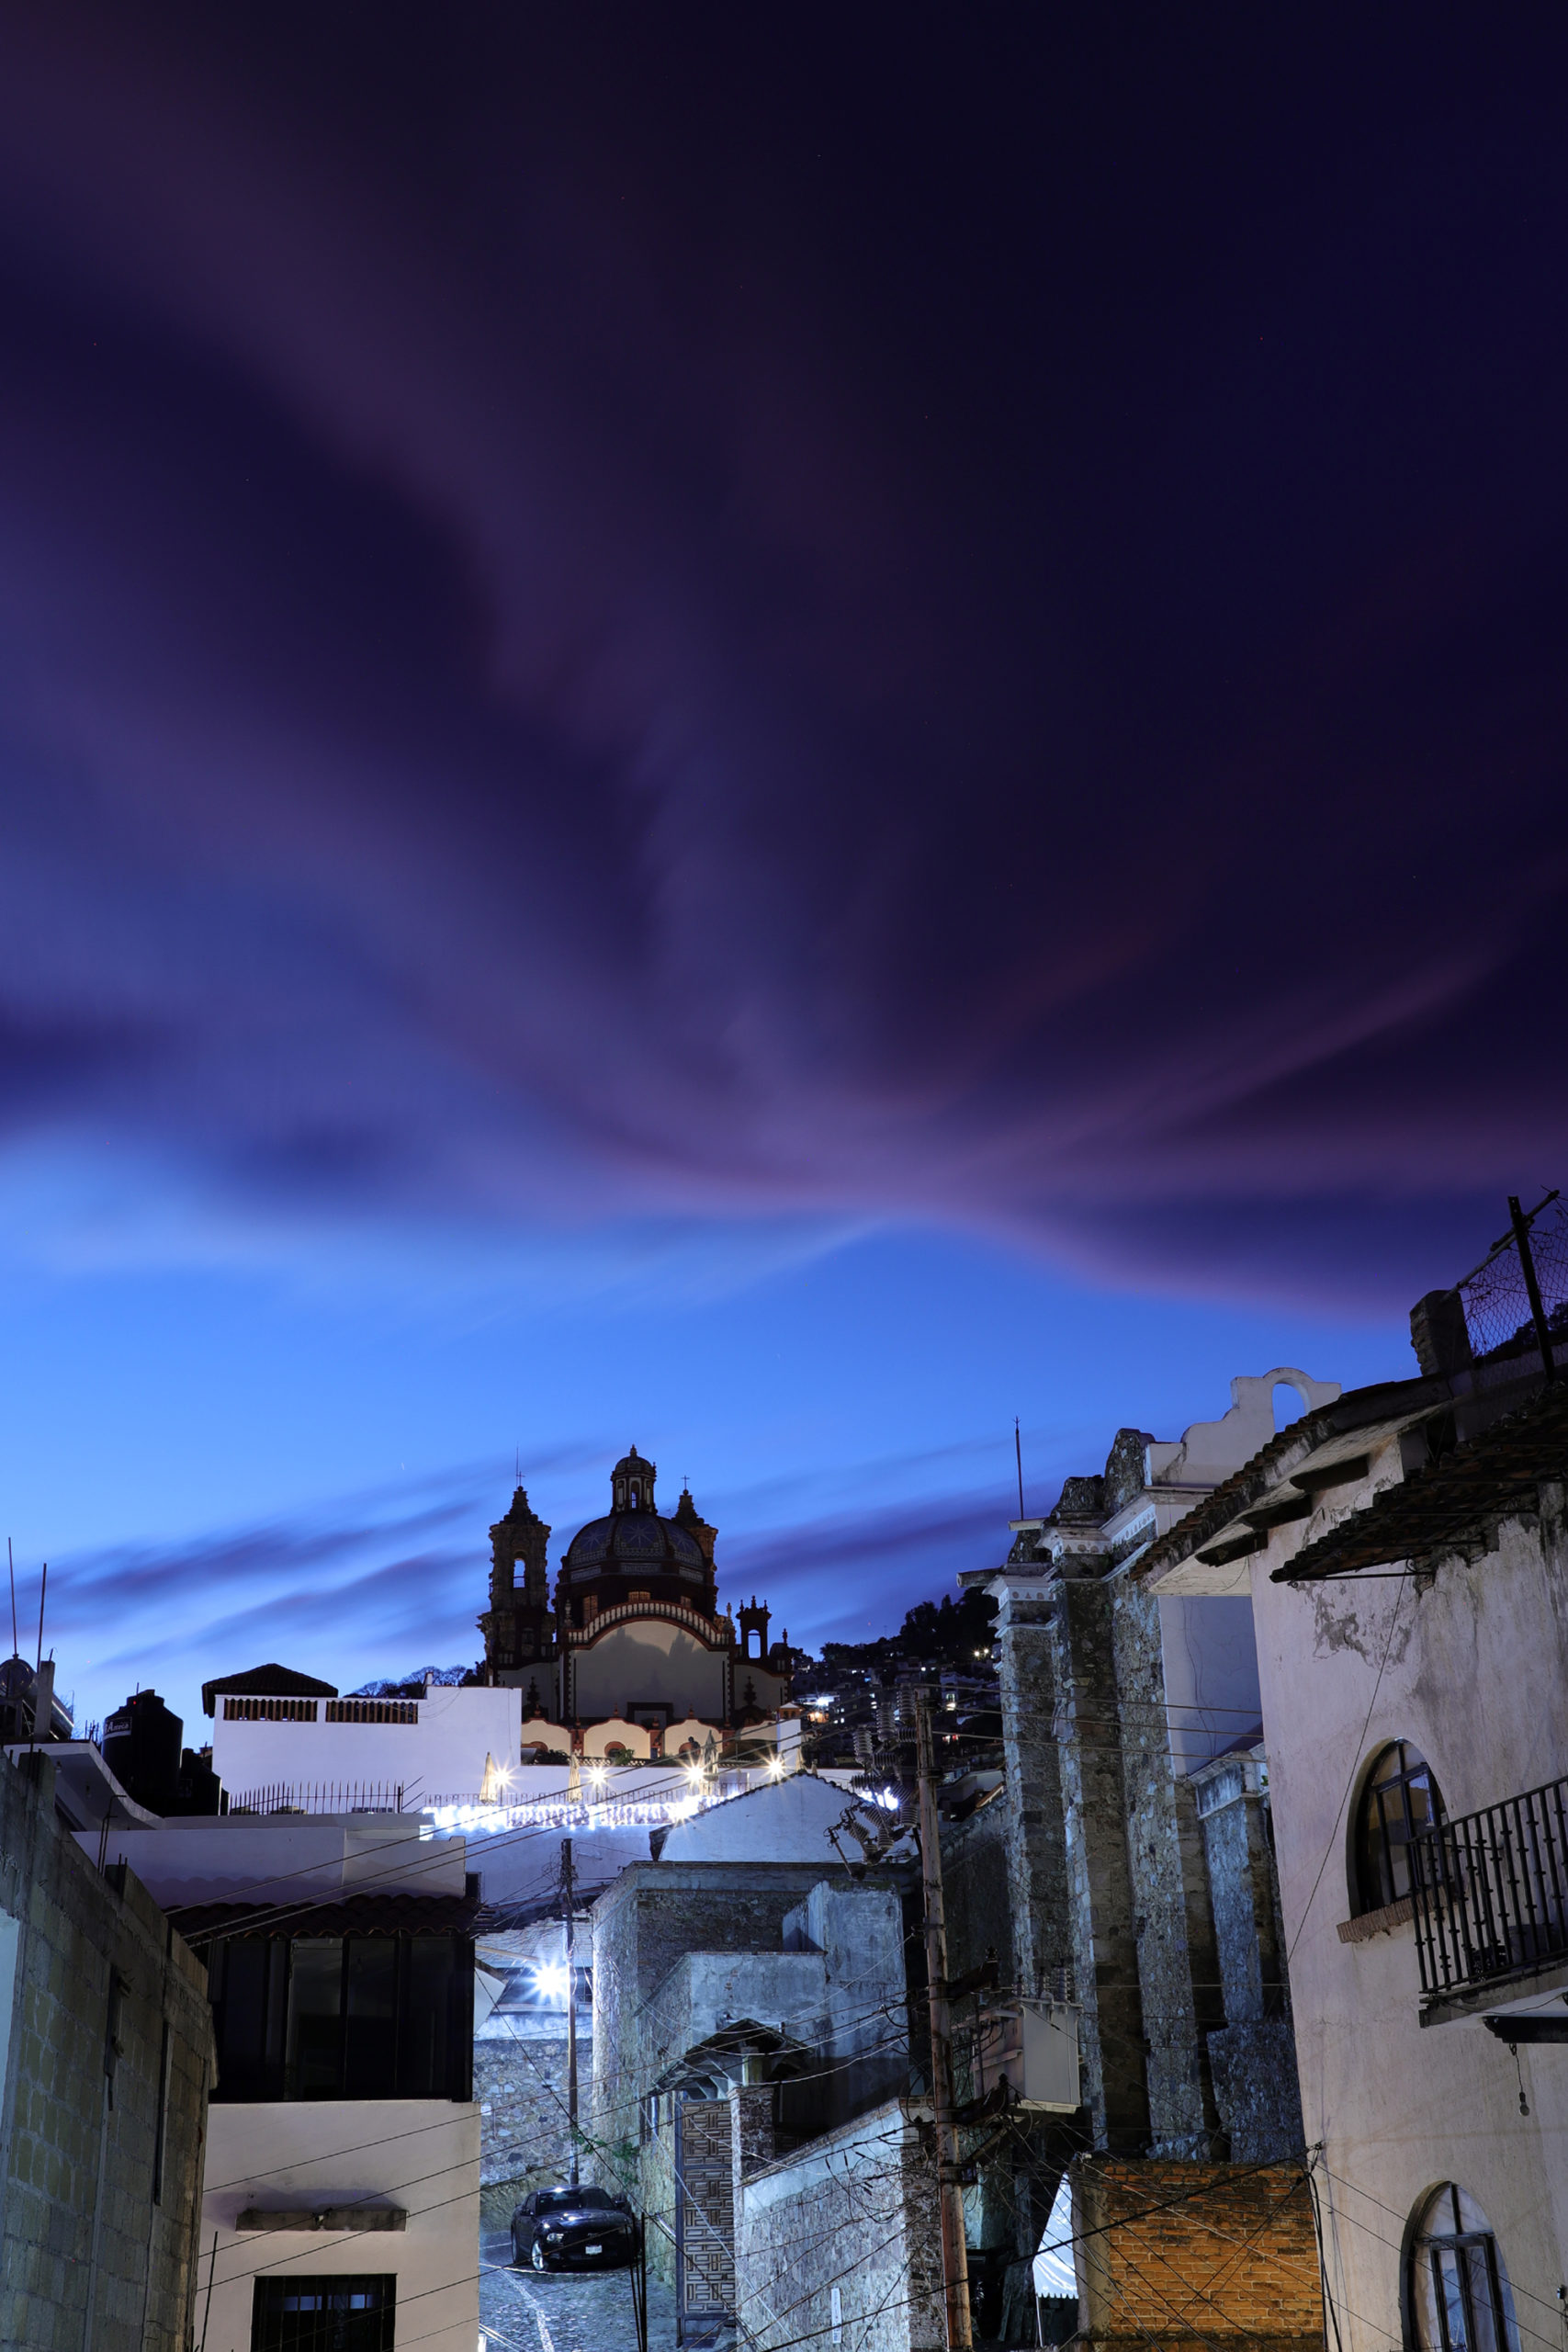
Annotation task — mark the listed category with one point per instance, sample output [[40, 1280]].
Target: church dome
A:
[[633, 1537]]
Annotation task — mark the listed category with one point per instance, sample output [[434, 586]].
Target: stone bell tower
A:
[[517, 1625]]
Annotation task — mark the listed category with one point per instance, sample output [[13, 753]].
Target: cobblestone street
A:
[[527, 2311]]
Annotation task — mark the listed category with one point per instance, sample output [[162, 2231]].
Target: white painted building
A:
[[342, 2163], [1404, 1552], [280, 1738]]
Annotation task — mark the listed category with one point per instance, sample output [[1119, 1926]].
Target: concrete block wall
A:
[[1185, 2256], [108, 2026]]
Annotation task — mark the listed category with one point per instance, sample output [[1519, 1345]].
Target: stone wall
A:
[[643, 1927], [1182, 2120], [1185, 2256], [520, 2082], [108, 2066], [1037, 1865], [1252, 2057], [1101, 1913], [976, 1890], [856, 2212]]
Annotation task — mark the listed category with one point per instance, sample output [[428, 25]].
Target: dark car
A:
[[574, 2229]]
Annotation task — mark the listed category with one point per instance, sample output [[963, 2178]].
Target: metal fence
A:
[[1523, 1276], [1491, 1892], [321, 1796]]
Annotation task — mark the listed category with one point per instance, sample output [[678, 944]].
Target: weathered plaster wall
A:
[[1472, 1670]]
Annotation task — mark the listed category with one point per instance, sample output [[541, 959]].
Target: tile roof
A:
[[1439, 1507]]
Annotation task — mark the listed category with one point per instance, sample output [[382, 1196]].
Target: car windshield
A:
[[552, 2200]]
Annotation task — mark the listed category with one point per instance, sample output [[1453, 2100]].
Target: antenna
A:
[[1018, 1449], [43, 1588], [16, 1637]]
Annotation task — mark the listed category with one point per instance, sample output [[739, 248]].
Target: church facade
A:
[[635, 1652]]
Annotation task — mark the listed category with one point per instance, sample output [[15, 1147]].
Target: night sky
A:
[[771, 731]]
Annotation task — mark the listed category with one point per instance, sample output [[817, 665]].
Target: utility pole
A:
[[950, 2195], [571, 2004]]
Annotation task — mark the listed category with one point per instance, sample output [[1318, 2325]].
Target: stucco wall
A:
[[441, 1755], [422, 2154], [1472, 1670], [652, 1661]]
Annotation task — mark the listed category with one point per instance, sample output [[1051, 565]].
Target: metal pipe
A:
[[950, 2195]]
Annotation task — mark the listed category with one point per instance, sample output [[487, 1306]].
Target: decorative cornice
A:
[[715, 1634]]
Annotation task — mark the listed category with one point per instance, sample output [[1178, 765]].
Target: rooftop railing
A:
[[1491, 1894]]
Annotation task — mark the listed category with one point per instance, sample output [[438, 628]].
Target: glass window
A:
[[246, 1976], [1399, 1801], [1459, 2296], [315, 2018], [324, 2314], [370, 2021]]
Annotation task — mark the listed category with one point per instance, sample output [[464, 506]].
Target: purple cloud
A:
[[985, 648]]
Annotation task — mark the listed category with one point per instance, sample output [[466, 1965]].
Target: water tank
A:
[[141, 1749]]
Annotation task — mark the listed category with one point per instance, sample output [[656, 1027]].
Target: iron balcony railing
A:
[[1491, 1893]]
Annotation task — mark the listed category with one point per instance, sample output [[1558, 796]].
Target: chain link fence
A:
[[1499, 1313]]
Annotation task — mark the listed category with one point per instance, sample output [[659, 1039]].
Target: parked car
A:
[[574, 2229]]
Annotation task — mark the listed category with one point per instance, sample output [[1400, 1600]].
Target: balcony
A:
[[1491, 1899]]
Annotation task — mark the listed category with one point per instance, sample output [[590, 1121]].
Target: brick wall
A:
[[1186, 2255], [87, 2253]]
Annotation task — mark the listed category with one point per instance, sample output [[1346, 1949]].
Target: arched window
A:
[[1399, 1799], [1459, 2296]]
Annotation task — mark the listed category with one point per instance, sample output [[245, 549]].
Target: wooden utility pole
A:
[[570, 1900], [950, 2195]]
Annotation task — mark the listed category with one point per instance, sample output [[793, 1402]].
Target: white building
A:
[[281, 1738], [1405, 1552], [342, 2163]]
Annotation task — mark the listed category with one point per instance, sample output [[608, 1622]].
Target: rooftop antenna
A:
[[1018, 1449], [43, 1588], [16, 1637]]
